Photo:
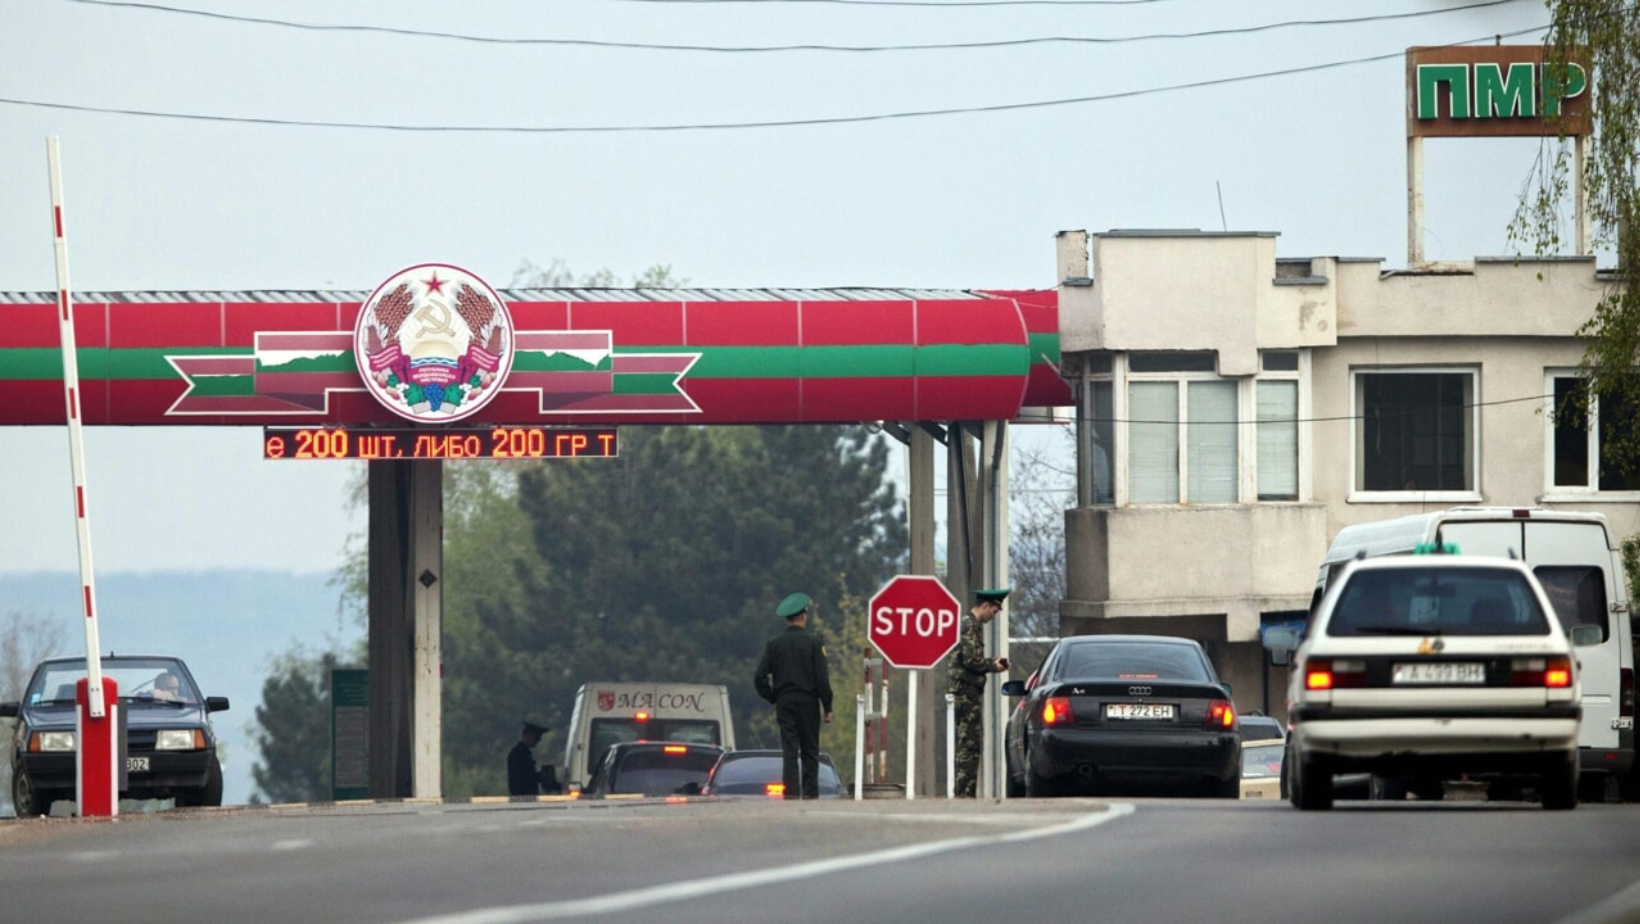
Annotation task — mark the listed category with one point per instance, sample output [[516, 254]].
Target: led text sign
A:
[[464, 443]]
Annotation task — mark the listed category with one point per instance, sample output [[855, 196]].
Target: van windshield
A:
[[1437, 601]]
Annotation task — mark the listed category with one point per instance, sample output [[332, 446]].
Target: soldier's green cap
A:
[[792, 605], [992, 594]]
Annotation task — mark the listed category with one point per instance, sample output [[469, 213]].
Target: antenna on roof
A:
[[1224, 225]]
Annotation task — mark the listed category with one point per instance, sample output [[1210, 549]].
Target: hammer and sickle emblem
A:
[[434, 318]]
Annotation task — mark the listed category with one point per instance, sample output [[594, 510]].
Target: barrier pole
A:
[[859, 746], [96, 779], [950, 746]]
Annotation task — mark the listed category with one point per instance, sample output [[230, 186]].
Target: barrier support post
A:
[[859, 746], [950, 746]]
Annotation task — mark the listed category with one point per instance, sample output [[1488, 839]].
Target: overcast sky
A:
[[214, 153]]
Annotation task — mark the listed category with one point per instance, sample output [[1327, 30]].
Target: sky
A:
[[210, 152]]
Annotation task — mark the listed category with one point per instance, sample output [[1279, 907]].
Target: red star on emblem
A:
[[434, 284]]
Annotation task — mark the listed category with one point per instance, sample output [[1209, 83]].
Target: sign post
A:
[[914, 623]]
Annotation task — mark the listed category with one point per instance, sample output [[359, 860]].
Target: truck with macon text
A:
[[609, 712]]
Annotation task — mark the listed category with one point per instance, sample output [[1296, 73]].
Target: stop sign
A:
[[913, 621]]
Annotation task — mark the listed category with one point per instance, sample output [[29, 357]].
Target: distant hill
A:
[[227, 625]]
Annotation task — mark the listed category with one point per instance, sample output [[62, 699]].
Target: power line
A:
[[764, 49], [726, 126], [1076, 418]]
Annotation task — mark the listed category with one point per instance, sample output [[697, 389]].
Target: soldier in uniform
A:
[[966, 676], [793, 675], [522, 778]]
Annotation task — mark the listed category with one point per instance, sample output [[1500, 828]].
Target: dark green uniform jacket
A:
[[794, 662]]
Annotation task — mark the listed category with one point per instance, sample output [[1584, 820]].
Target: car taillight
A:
[[775, 790], [675, 749], [1331, 673], [1056, 710], [1221, 713], [1554, 673], [641, 717]]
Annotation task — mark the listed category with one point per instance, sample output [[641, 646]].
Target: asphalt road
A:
[[1071, 860]]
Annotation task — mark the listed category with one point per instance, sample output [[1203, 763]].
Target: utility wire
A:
[[763, 49], [725, 126]]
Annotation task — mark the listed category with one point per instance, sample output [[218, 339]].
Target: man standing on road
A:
[[966, 676], [793, 675], [522, 778]]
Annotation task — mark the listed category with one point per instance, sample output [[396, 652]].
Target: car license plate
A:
[[136, 765], [1138, 710], [1438, 672]]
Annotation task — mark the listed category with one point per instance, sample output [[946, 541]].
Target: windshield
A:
[[1261, 762], [653, 771], [140, 680], [752, 774], [606, 732], [1437, 601]]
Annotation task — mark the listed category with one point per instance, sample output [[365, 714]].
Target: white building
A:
[[1237, 409]]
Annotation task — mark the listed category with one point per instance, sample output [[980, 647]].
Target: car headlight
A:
[[179, 739], [51, 741]]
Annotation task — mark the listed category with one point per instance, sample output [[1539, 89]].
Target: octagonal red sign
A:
[[914, 621]]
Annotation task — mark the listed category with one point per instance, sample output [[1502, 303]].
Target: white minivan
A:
[[607, 713], [1572, 556]]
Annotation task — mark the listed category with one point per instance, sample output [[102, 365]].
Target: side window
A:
[[1578, 593], [1415, 431], [1580, 442]]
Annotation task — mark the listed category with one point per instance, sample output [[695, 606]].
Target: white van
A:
[[1573, 557], [606, 713]]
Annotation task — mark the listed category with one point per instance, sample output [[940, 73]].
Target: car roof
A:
[[1102, 639], [1454, 560]]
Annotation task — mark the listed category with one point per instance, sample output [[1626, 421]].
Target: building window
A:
[[1581, 461], [1415, 430], [1184, 440], [1277, 440]]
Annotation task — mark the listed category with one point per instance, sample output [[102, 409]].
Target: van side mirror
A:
[[1586, 636]]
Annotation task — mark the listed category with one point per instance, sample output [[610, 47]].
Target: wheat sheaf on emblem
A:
[[480, 314], [389, 315]]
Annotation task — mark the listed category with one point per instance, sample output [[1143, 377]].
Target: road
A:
[[1074, 860]]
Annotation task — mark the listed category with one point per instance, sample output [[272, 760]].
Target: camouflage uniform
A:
[[965, 678]]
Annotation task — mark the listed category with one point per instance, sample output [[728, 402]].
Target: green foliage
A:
[[663, 564], [1607, 33], [292, 730]]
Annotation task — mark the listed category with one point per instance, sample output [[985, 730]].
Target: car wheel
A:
[[1311, 785], [1016, 789], [208, 795], [1559, 786], [25, 801], [1040, 787]]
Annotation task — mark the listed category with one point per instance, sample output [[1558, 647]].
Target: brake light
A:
[[1625, 693], [1056, 710], [1554, 673], [1331, 673], [675, 749], [641, 717], [1221, 713], [775, 790]]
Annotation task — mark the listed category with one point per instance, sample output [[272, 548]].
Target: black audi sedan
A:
[[652, 768], [170, 747], [1123, 711]]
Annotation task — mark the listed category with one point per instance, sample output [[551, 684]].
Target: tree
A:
[[25, 640], [1607, 32], [663, 564], [292, 730], [1040, 490]]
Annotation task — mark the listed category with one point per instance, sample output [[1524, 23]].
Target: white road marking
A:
[[684, 891], [298, 843]]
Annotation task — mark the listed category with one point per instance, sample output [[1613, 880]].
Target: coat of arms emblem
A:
[[434, 343]]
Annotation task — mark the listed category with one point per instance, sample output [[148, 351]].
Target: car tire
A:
[[1040, 787], [1558, 788], [25, 801], [1224, 789], [208, 795], [1016, 788], [1310, 784]]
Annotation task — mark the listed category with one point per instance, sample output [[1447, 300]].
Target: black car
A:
[[758, 773], [652, 768], [169, 750], [1256, 726], [1123, 710]]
